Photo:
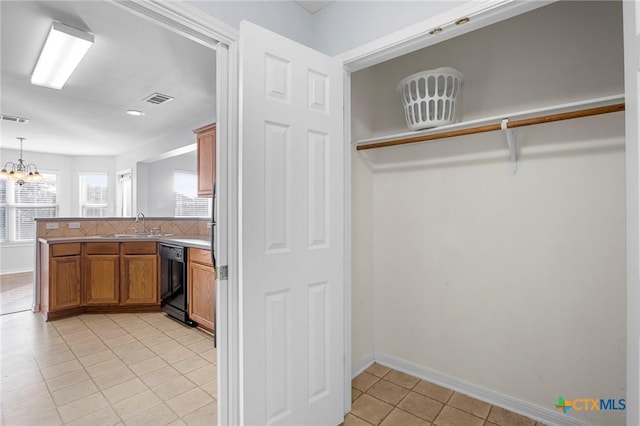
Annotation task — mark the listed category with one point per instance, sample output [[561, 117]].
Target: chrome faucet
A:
[[144, 226]]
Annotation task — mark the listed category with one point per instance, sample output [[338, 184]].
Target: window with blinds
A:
[[20, 205], [93, 195], [185, 199], [126, 195]]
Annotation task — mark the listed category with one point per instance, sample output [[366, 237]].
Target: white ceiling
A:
[[313, 6], [130, 59]]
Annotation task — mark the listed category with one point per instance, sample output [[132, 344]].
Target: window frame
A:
[[122, 203], [11, 209], [81, 195], [207, 200]]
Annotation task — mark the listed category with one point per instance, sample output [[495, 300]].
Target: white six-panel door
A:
[[292, 233]]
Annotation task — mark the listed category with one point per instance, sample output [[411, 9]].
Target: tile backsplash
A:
[[112, 225]]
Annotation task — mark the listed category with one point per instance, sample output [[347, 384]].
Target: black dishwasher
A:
[[173, 282]]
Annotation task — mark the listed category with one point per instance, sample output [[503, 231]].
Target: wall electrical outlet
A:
[[53, 225], [74, 225]]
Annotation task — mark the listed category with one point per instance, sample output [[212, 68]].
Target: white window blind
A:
[[186, 202], [126, 194], [27, 202], [93, 194]]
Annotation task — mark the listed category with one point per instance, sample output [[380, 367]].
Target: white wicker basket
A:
[[430, 98]]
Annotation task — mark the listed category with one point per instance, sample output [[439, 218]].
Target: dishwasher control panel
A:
[[172, 252]]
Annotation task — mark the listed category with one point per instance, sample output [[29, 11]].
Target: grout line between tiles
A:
[[133, 372], [446, 403], [170, 364], [111, 322], [88, 374]]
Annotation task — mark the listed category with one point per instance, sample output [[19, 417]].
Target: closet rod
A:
[[492, 127]]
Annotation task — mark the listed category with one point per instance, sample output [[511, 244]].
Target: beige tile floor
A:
[[16, 292], [133, 369], [146, 369], [386, 397]]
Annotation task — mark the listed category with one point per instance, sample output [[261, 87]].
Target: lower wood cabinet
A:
[[201, 288], [98, 277], [138, 274], [60, 277], [110, 276], [101, 273], [65, 282]]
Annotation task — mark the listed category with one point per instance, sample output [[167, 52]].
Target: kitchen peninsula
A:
[[108, 265]]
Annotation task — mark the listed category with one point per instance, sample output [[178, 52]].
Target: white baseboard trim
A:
[[362, 364], [544, 415], [16, 271]]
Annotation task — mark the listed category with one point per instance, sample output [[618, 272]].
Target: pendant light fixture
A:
[[19, 172]]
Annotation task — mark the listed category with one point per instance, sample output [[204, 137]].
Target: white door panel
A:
[[292, 243]]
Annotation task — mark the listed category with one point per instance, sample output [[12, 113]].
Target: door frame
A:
[[484, 13], [396, 44], [631, 32], [200, 27], [203, 28]]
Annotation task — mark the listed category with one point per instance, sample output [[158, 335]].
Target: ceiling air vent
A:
[[158, 98], [13, 119]]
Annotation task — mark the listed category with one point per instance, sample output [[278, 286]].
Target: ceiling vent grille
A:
[[158, 98], [13, 119]]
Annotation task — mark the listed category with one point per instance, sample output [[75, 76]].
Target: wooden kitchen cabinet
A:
[[206, 142], [138, 273], [65, 282], [101, 273], [100, 276], [60, 277], [201, 288]]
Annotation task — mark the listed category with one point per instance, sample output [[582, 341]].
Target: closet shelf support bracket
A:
[[512, 144]]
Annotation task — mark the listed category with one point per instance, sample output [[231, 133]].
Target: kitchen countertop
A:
[[196, 241]]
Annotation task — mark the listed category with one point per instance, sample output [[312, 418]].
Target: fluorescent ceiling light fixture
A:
[[62, 52], [135, 112]]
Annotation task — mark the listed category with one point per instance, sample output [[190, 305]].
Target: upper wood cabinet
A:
[[206, 140]]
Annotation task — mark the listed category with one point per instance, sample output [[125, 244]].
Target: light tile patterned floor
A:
[[386, 397], [146, 369], [16, 292], [134, 369]]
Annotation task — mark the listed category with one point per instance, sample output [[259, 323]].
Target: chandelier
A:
[[19, 172]]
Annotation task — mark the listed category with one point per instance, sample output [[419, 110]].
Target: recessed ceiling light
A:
[[135, 112]]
